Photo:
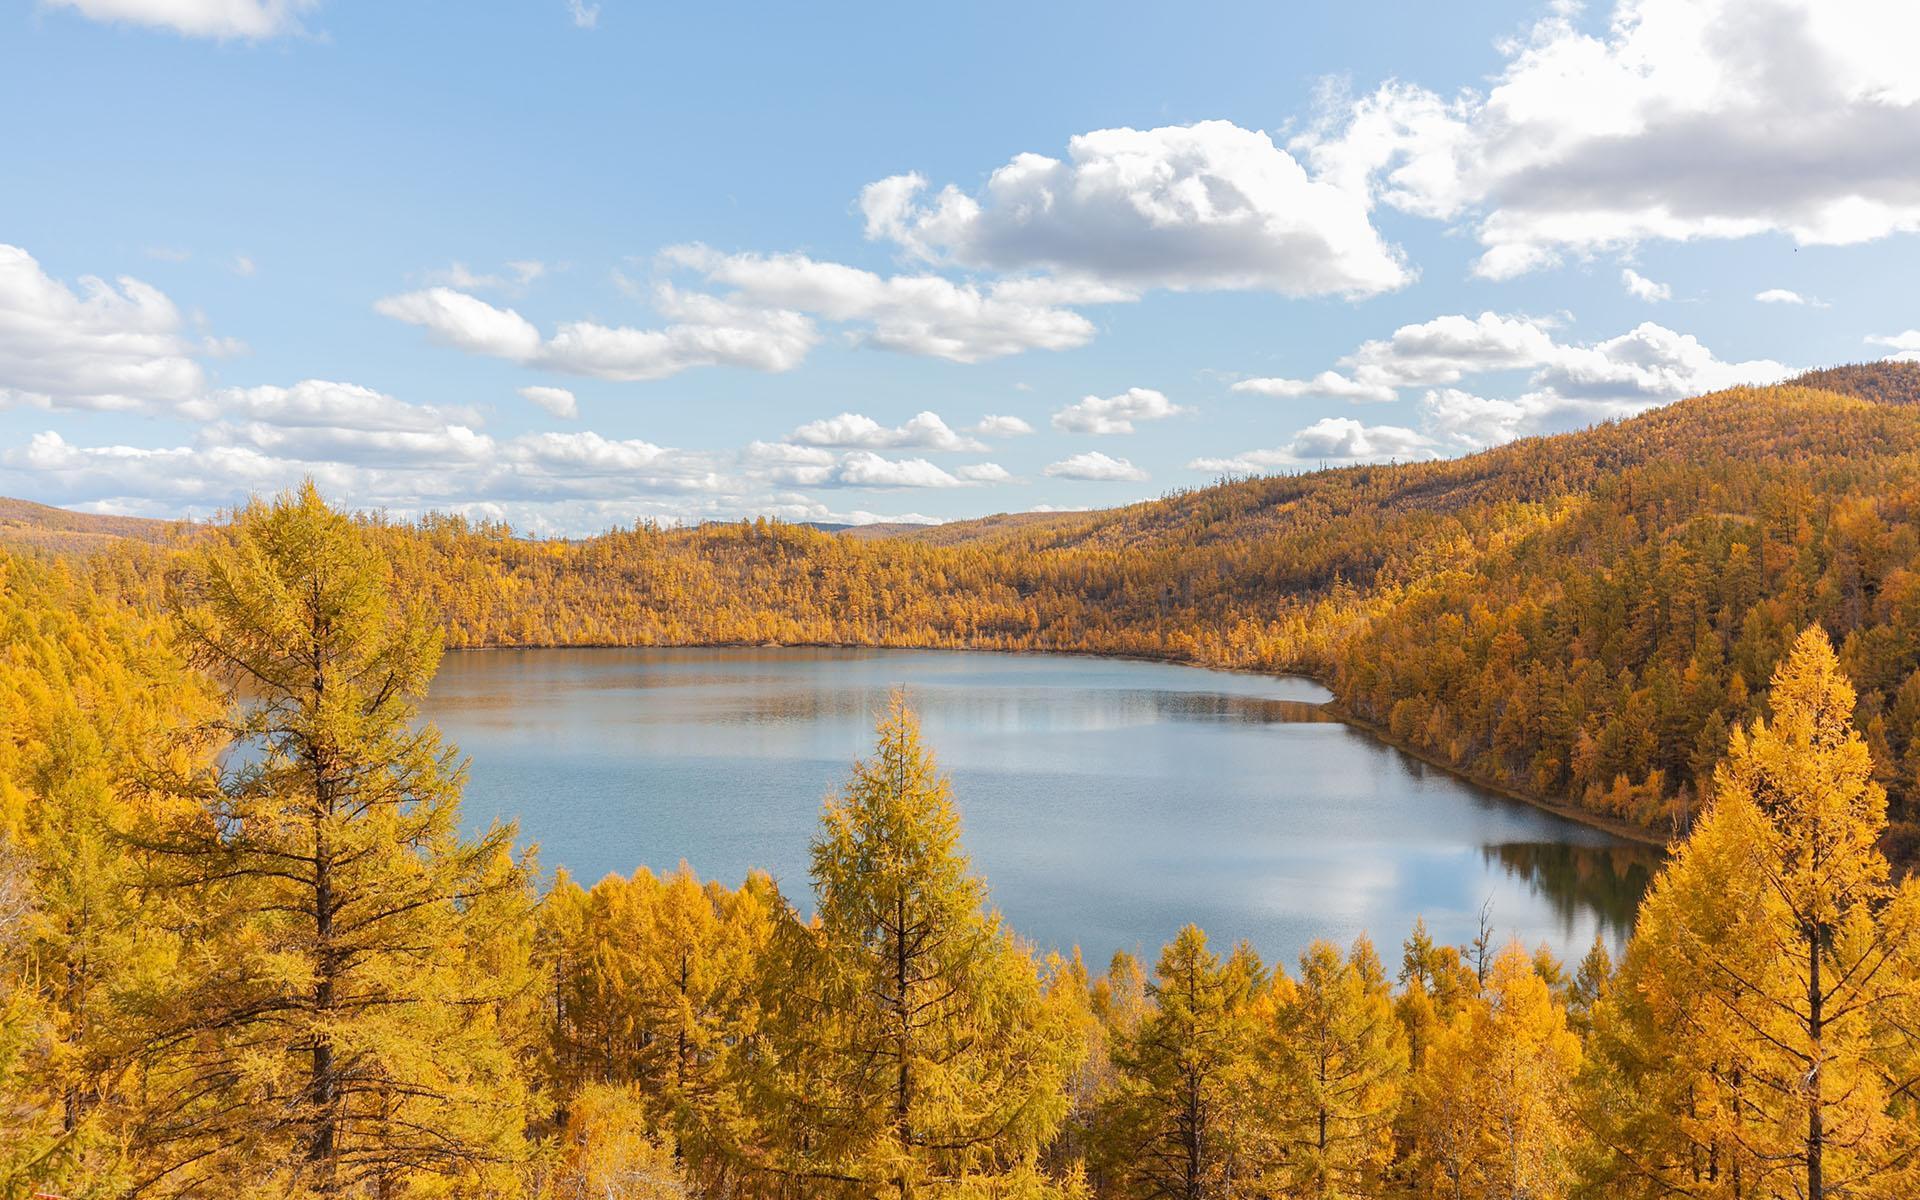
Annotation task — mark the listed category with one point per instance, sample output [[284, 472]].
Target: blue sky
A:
[[738, 253]]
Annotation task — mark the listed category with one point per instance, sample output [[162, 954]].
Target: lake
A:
[[1106, 802]]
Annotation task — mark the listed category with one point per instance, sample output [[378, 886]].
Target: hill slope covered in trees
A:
[[245, 949], [1579, 618]]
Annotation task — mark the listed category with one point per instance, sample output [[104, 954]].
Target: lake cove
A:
[[1107, 802]]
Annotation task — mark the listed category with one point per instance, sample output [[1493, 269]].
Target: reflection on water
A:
[[1106, 802], [1606, 882]]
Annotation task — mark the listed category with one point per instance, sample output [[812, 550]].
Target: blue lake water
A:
[[1106, 802]]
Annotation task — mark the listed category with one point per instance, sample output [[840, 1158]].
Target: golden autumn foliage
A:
[[246, 946], [1581, 618]]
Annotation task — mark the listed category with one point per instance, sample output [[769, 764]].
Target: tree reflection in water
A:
[[1608, 881]]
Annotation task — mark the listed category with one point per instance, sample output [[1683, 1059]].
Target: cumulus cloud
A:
[[1115, 414], [1567, 384], [995, 426], [248, 20], [863, 468], [558, 401], [464, 322], [1641, 288], [1684, 119], [1342, 440], [1201, 206], [1444, 349], [925, 431], [916, 314], [704, 331], [1093, 465], [765, 320], [1783, 296], [105, 346], [1329, 384], [317, 402], [820, 466], [1905, 346]]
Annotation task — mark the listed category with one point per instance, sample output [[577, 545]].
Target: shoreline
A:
[[1611, 826]]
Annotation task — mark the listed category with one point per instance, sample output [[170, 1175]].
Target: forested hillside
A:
[[247, 950], [1581, 618]]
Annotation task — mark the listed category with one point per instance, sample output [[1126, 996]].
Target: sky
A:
[[574, 265]]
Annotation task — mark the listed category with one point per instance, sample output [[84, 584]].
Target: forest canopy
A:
[[288, 972]]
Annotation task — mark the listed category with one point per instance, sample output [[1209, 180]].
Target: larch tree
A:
[[914, 1049], [88, 693], [652, 983], [1770, 994], [1493, 1116], [1186, 1124], [357, 957], [1335, 1062]]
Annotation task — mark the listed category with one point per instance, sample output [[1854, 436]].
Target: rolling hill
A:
[[1579, 618]]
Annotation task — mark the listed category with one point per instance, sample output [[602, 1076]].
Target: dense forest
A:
[[1581, 619], [247, 950]]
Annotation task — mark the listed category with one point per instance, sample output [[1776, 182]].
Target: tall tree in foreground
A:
[[1769, 998], [1186, 1117], [359, 955], [914, 1049], [1493, 1115], [1337, 1059]]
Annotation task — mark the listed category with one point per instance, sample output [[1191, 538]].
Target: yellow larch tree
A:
[[915, 1049], [1493, 1116], [1334, 1062], [355, 957], [1769, 997]]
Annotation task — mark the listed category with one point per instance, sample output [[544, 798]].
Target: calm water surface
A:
[[1106, 802]]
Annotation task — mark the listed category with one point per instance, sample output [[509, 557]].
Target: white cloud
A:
[[819, 466], [1330, 384], [985, 472], [916, 314], [461, 277], [707, 331], [1779, 296], [585, 16], [558, 401], [320, 402], [1641, 288], [337, 445], [464, 322], [994, 426], [1346, 438], [1905, 346], [1115, 414], [458, 275], [104, 347], [1094, 465], [1567, 384], [250, 20], [1442, 350], [1649, 364], [1341, 439], [924, 432], [863, 468], [1201, 206], [1684, 119], [244, 266]]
